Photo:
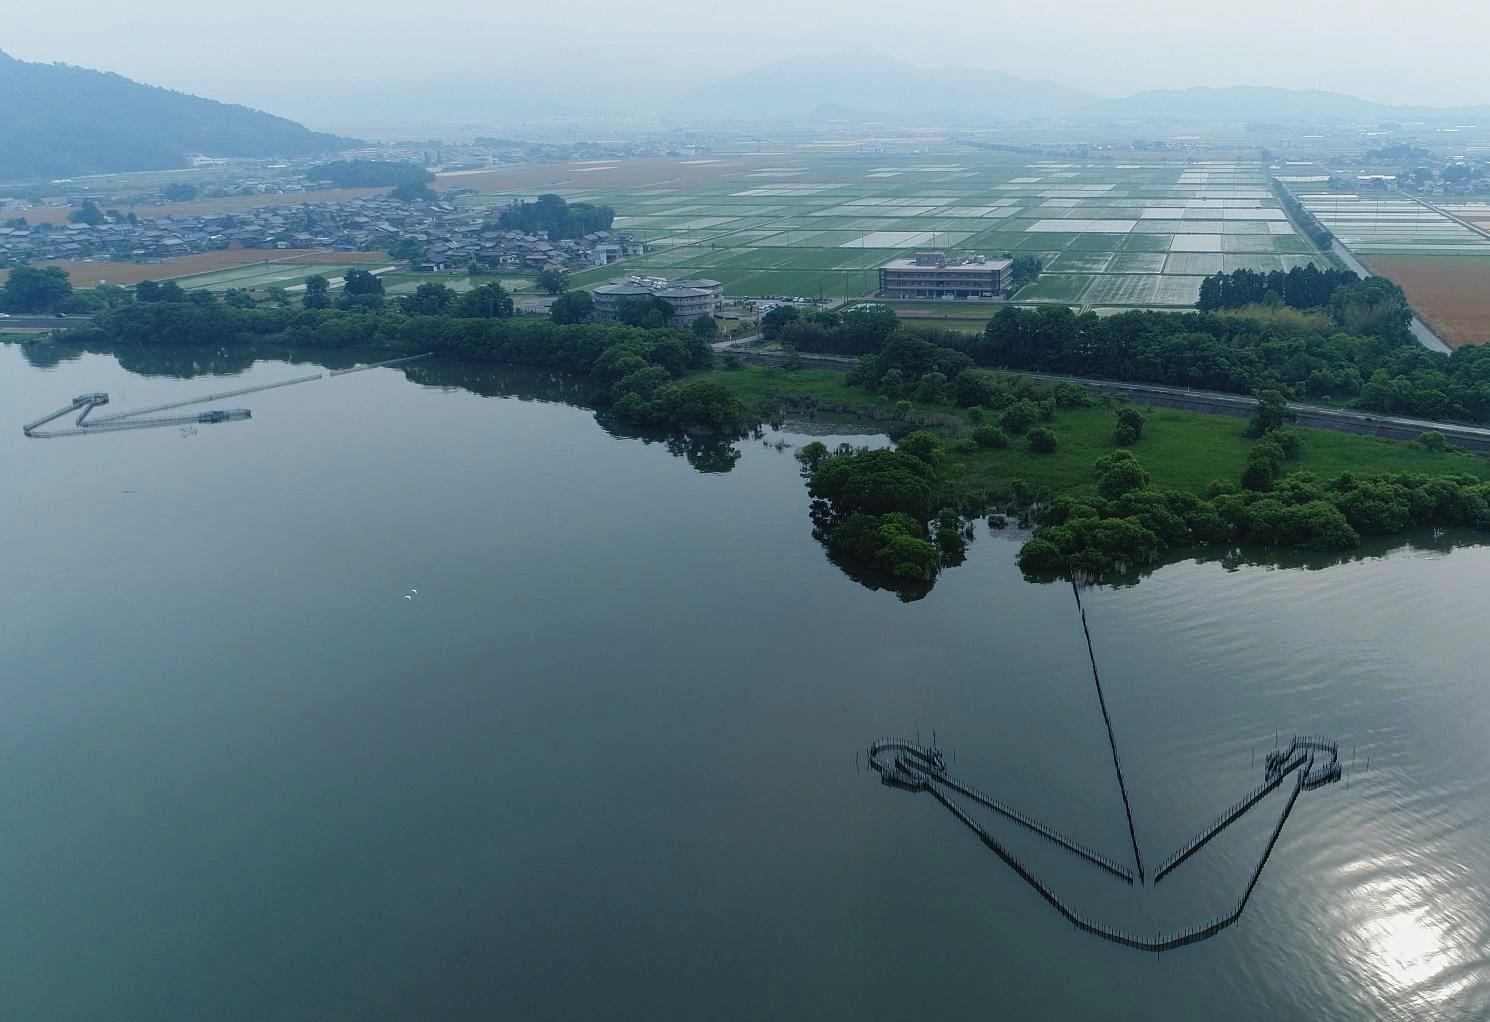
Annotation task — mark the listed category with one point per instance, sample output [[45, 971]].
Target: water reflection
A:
[[1405, 950], [710, 455]]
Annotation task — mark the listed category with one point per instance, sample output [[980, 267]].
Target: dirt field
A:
[[89, 274], [201, 207], [1452, 293]]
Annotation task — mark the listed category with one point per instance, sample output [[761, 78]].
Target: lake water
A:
[[603, 765]]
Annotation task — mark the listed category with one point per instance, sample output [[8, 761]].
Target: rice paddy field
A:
[[1396, 225], [819, 223], [287, 273]]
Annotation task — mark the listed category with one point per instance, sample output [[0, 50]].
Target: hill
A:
[[61, 121], [1254, 103], [864, 84], [868, 83]]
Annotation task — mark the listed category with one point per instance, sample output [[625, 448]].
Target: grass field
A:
[[811, 221], [1180, 450]]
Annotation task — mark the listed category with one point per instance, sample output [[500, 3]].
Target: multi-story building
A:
[[689, 299], [931, 276]]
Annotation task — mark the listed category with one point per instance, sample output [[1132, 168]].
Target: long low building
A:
[[689, 299], [931, 276]]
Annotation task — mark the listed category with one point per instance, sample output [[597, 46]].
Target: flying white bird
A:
[[408, 597], [414, 591]]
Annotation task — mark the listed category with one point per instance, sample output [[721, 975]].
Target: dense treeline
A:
[[560, 219], [859, 330], [1317, 232], [1357, 351], [635, 372], [1128, 524], [1303, 287]]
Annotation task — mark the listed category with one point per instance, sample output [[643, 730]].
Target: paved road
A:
[[1341, 420], [21, 322]]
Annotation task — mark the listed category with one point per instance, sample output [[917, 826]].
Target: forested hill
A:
[[61, 121]]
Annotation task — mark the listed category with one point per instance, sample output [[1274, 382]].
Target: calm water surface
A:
[[603, 765]]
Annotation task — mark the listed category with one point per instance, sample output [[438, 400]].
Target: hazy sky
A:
[[326, 61]]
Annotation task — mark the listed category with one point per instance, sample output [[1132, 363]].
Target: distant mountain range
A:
[[1254, 103], [61, 121], [864, 84]]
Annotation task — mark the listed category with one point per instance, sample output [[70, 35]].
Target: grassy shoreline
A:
[[1180, 449]]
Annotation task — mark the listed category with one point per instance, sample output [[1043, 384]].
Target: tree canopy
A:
[[33, 289], [572, 307], [559, 218]]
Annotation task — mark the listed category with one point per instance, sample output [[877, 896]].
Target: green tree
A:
[[813, 454], [775, 321], [1119, 473], [362, 282], [407, 250], [705, 327], [238, 298], [413, 191], [990, 437], [30, 289], [1264, 465], [1129, 427], [922, 445], [1287, 438], [429, 299], [1042, 440], [88, 213], [572, 307], [179, 191], [489, 301], [646, 311], [1020, 416], [1272, 412], [316, 288], [1433, 440], [552, 280]]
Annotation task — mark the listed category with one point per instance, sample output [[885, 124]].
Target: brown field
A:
[[88, 274], [201, 207], [1451, 293]]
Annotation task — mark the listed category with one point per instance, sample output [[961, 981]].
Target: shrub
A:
[[1042, 440], [1118, 473], [1129, 427], [990, 438], [1288, 439], [1020, 416], [921, 444], [1434, 441]]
